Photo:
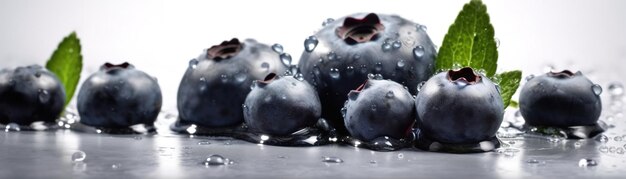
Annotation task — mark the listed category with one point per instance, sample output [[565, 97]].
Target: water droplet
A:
[[530, 77], [619, 151], [310, 43], [497, 42], [603, 149], [12, 127], [421, 27], [193, 63], [390, 94], [265, 66], [616, 89], [373, 107], [215, 159], [378, 77], [334, 73], [370, 76], [240, 77], [585, 162], [400, 155], [116, 166], [343, 111], [396, 44], [378, 66], [420, 85], [400, 64], [332, 160], [286, 58], [298, 76], [532, 161], [224, 78], [78, 156], [37, 74], [373, 162], [356, 56], [277, 48], [331, 56], [386, 46], [597, 89], [363, 69], [327, 21], [349, 70], [205, 142], [253, 84], [617, 138], [602, 138], [44, 96], [202, 79]]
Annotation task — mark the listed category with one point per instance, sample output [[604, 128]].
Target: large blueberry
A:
[[560, 99], [338, 57], [29, 94], [119, 96], [379, 108], [459, 107], [216, 83], [281, 105]]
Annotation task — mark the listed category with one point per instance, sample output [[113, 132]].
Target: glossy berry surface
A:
[[216, 83], [338, 57], [281, 105], [560, 99], [29, 94], [459, 107], [119, 96], [379, 108]]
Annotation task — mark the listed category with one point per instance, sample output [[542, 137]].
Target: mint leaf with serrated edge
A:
[[66, 63], [508, 82], [470, 42]]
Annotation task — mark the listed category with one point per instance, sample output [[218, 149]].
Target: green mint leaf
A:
[[470, 41], [514, 104], [508, 82], [66, 63]]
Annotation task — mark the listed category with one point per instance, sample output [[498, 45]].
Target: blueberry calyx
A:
[[225, 50], [363, 30], [109, 66], [561, 75], [268, 79], [465, 75]]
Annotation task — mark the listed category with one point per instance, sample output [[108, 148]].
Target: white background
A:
[[160, 36]]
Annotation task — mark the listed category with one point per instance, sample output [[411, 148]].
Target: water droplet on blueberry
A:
[[285, 58], [193, 63], [43, 95], [310, 43], [332, 160], [396, 44], [585, 162], [597, 89], [390, 94], [327, 21], [277, 48], [334, 73]]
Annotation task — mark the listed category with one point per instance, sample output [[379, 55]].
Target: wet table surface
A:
[[49, 155]]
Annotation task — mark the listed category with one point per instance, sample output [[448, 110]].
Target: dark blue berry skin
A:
[[560, 99], [379, 108], [119, 96], [212, 91], [459, 107], [351, 47], [280, 106], [29, 94]]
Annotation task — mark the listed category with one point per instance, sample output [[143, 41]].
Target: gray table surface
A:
[[48, 155]]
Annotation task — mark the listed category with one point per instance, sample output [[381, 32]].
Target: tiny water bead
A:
[[602, 138], [400, 156], [390, 94], [386, 46], [285, 58], [603, 149], [400, 64], [277, 48], [418, 52], [529, 77], [78, 156], [616, 89], [298, 76], [532, 161], [204, 143], [585, 162], [334, 73], [331, 56], [12, 127], [310, 43], [240, 77], [396, 44], [597, 89], [44, 96], [193, 63], [421, 27], [332, 160], [327, 21], [215, 159]]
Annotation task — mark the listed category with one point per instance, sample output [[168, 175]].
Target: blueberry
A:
[[338, 57], [281, 106], [379, 108], [29, 94], [119, 96], [459, 107], [215, 85], [560, 99]]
